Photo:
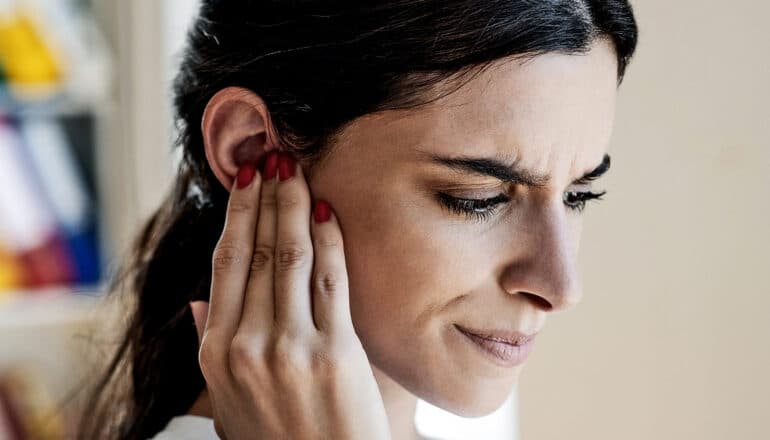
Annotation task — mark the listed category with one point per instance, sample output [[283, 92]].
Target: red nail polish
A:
[[246, 175], [271, 165], [286, 167], [322, 211]]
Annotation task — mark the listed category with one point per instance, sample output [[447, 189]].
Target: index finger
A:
[[232, 256]]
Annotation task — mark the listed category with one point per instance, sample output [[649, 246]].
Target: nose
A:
[[544, 268]]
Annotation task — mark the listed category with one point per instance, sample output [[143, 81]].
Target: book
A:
[[28, 226], [64, 192], [31, 65]]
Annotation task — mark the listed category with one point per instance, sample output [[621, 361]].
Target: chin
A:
[[471, 399], [479, 408], [455, 379]]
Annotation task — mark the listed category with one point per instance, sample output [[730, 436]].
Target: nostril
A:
[[539, 301]]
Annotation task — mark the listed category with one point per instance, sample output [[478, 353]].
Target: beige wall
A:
[[672, 338]]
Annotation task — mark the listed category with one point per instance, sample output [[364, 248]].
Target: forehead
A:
[[553, 113]]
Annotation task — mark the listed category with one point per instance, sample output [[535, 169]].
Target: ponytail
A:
[[170, 265]]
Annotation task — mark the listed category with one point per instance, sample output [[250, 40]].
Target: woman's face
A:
[[417, 269]]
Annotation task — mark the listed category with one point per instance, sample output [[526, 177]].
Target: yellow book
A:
[[10, 273], [27, 59]]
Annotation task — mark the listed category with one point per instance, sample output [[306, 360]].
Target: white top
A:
[[188, 428], [431, 422]]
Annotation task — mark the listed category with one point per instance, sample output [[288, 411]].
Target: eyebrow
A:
[[498, 169]]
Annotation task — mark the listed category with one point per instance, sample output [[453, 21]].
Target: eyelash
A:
[[583, 198], [483, 209], [470, 207]]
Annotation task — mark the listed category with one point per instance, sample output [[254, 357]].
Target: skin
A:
[[415, 268]]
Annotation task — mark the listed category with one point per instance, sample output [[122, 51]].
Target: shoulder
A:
[[189, 428]]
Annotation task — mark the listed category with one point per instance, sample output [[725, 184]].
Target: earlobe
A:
[[236, 129]]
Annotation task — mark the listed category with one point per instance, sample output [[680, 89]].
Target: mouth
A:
[[504, 347]]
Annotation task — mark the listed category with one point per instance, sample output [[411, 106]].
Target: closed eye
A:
[[483, 209], [576, 200], [475, 209]]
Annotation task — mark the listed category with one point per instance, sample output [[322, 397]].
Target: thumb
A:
[[200, 312]]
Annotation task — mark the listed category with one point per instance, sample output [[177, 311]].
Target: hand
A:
[[278, 349]]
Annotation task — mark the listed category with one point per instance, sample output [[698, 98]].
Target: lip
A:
[[511, 337], [504, 347]]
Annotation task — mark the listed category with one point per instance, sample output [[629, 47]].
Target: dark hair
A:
[[318, 65]]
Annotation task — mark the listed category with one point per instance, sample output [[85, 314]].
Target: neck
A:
[[400, 406]]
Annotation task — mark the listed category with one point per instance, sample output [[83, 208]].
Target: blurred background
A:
[[671, 340]]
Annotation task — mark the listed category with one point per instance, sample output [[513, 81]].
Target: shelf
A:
[[49, 307], [58, 336], [47, 346], [55, 106]]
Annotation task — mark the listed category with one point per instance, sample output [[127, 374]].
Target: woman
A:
[[445, 149]]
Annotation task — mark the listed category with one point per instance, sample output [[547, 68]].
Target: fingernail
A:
[[322, 211], [246, 175], [286, 167], [271, 165]]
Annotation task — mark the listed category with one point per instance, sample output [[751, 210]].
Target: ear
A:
[[236, 130]]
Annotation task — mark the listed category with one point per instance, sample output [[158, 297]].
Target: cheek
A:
[[405, 268], [577, 234], [394, 269]]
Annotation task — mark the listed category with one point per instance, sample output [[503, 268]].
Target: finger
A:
[[258, 309], [294, 249], [232, 255], [331, 307], [200, 312]]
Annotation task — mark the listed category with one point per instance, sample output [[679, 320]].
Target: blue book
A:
[[65, 193]]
